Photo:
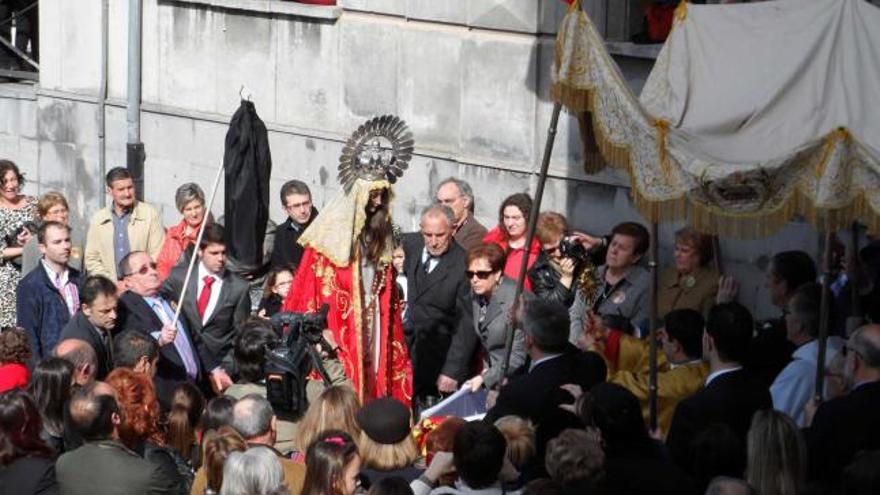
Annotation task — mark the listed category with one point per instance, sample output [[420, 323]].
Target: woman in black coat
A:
[[26, 461]]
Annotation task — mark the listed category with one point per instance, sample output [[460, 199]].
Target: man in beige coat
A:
[[124, 226]]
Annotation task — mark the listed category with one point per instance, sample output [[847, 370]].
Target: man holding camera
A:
[[555, 272]]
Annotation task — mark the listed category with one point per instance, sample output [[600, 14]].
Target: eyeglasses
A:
[[142, 270], [549, 251], [480, 274]]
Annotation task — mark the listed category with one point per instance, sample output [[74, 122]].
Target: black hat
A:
[[385, 420]]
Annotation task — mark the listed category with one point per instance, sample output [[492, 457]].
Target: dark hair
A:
[[638, 232], [617, 413], [130, 346], [795, 268], [378, 230], [51, 385], [214, 234], [94, 286], [6, 166], [219, 444], [522, 201], [80, 354], [730, 326], [547, 322], [272, 276], [542, 486], [20, 427], [326, 458], [14, 346], [393, 485], [294, 187], [41, 232], [218, 412], [250, 348], [699, 241], [187, 405], [115, 174], [490, 252], [478, 453], [716, 450], [91, 414], [685, 326]]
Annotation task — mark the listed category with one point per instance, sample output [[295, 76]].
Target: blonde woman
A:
[[335, 409], [386, 443], [777, 454]]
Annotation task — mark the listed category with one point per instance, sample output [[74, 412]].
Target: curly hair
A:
[[575, 457], [14, 346], [137, 399]]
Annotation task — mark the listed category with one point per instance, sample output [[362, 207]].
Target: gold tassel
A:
[[681, 12]]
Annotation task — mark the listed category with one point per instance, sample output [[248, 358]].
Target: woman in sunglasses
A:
[[484, 322]]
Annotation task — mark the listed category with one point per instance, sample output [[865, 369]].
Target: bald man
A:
[[846, 425], [82, 356]]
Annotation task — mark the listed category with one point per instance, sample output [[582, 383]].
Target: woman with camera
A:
[[16, 210]]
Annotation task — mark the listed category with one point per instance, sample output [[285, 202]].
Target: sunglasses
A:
[[480, 274], [143, 270]]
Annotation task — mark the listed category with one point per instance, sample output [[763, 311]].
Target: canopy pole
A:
[[716, 255], [855, 319], [824, 308], [192, 260], [530, 234], [652, 338]]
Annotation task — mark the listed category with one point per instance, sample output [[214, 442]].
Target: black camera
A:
[[289, 363], [569, 247], [12, 238]]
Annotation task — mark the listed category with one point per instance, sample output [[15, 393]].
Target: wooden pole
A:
[[855, 319], [824, 307], [655, 285]]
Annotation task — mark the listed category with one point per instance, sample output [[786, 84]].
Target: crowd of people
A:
[[117, 376]]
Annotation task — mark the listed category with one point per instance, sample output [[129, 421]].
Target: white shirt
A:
[[434, 260], [796, 383], [215, 291], [542, 360], [716, 374], [65, 292]]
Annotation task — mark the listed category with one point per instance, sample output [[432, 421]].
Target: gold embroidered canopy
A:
[[753, 114]]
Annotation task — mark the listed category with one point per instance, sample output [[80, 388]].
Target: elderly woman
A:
[[52, 207], [691, 283], [190, 201], [510, 235], [491, 296]]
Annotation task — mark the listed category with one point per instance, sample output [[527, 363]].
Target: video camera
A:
[[289, 363]]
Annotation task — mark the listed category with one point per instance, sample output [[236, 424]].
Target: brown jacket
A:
[[471, 233], [145, 233], [294, 476], [696, 291]]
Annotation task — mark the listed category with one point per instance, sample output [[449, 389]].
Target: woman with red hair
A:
[[140, 430]]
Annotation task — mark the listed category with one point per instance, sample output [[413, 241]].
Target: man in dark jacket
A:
[[553, 361], [296, 198], [48, 295], [458, 196], [96, 322], [434, 267]]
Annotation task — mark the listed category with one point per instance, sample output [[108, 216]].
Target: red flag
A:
[[568, 1]]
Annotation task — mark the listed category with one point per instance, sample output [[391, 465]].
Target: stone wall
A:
[[471, 77]]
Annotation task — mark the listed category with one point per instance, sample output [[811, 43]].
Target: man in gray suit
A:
[[485, 322], [103, 465], [216, 302]]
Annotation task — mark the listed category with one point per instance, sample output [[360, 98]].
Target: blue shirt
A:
[[121, 247]]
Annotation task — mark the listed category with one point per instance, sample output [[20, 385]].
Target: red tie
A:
[[205, 296]]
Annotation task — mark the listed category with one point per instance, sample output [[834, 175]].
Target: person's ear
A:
[[116, 419], [273, 425], [142, 365]]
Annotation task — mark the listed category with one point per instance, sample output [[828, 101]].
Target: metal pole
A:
[[102, 96], [652, 363], [855, 319], [530, 234], [134, 147], [824, 307]]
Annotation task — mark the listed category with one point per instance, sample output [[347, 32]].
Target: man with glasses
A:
[[142, 309], [844, 426], [434, 267], [296, 199], [459, 197]]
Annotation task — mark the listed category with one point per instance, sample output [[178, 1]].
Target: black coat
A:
[[135, 314], [219, 331], [80, 328], [536, 395], [433, 309], [285, 248], [248, 165], [29, 476], [841, 428], [730, 399]]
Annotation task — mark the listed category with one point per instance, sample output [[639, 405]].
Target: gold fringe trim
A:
[[841, 134], [681, 12], [662, 127]]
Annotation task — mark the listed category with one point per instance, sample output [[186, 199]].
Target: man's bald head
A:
[[865, 342], [82, 356], [94, 412]]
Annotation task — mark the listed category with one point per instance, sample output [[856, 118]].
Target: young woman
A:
[[275, 291], [510, 235], [333, 465]]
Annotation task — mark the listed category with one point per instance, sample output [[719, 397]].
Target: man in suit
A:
[[183, 356], [731, 395], [846, 425], [96, 321], [458, 196], [296, 198], [216, 302], [103, 465], [434, 267], [48, 296], [484, 323], [536, 395]]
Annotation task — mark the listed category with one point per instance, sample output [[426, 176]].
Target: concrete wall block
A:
[[117, 51], [432, 10], [431, 88], [308, 73], [18, 118], [393, 7], [498, 99], [150, 54], [167, 137], [190, 38], [80, 34], [50, 44], [246, 56], [551, 13], [370, 58], [511, 15], [313, 161]]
